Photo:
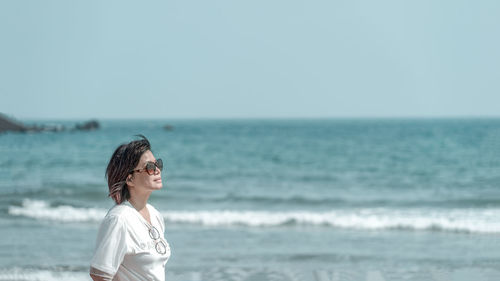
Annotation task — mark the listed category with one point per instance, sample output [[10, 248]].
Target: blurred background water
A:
[[333, 199]]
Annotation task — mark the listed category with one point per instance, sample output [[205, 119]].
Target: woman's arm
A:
[[98, 275], [110, 250]]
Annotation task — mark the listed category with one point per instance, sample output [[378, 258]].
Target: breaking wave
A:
[[41, 275], [42, 210], [456, 220]]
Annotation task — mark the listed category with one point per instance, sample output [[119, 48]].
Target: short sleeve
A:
[[111, 245]]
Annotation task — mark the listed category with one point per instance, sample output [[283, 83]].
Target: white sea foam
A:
[[270, 273], [42, 210], [460, 220], [41, 275]]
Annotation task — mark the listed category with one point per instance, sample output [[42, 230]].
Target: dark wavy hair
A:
[[124, 159]]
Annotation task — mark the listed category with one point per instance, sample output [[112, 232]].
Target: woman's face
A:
[[142, 179]]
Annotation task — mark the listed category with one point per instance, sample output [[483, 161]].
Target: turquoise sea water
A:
[[268, 199]]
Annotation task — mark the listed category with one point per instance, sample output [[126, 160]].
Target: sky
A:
[[64, 59]]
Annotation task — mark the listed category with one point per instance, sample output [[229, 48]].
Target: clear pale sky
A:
[[249, 59]]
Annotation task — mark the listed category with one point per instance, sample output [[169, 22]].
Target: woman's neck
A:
[[139, 201]]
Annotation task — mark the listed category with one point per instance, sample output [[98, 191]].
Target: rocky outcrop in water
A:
[[88, 126], [8, 124], [11, 125]]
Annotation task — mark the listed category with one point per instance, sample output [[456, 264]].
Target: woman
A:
[[130, 242]]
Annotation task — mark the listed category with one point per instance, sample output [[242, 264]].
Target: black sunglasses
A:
[[150, 167]]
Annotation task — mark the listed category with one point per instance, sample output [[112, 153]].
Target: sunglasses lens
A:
[[161, 248], [150, 168], [153, 233], [159, 164]]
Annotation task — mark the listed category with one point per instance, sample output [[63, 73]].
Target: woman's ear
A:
[[129, 180]]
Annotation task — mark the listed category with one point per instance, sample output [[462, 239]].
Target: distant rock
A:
[[88, 126], [46, 128], [168, 127], [9, 124]]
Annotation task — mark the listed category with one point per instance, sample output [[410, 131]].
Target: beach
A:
[[268, 199]]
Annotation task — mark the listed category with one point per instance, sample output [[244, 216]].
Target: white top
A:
[[124, 248]]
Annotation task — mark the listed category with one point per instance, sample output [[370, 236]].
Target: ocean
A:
[[251, 200]]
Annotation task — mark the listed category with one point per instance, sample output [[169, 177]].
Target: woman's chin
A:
[[157, 184]]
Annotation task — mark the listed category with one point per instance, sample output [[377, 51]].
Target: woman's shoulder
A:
[[118, 212]]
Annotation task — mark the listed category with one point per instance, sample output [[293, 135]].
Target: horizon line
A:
[[200, 118]]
